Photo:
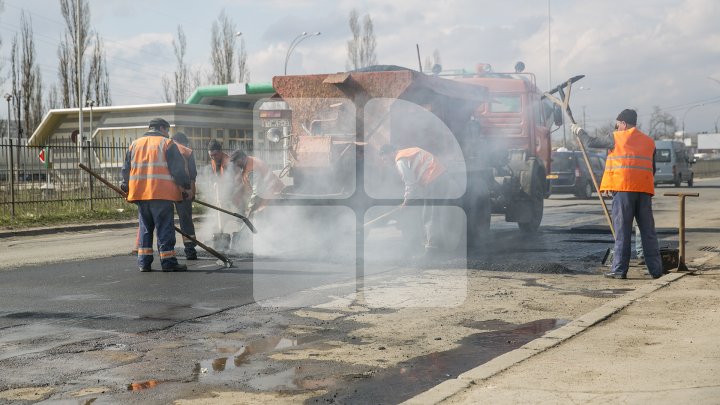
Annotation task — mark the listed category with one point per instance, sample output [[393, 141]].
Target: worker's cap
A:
[[214, 145], [237, 155], [628, 116], [158, 123], [180, 138], [387, 149]]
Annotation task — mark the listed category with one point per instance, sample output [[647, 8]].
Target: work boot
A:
[[145, 268], [612, 274], [191, 255], [175, 267]]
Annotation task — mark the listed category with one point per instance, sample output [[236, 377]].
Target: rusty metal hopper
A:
[[308, 94]]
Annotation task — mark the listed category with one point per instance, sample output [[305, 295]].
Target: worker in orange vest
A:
[[629, 177], [424, 178], [154, 178], [184, 207], [255, 180]]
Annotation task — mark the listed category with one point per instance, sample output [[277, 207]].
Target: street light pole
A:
[[685, 115], [295, 42], [90, 103]]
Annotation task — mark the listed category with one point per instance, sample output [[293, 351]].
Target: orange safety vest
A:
[[629, 166], [423, 163], [223, 164], [269, 185], [185, 152], [150, 177]]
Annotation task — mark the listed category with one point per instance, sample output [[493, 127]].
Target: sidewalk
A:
[[657, 344]]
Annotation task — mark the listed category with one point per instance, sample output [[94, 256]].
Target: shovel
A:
[[564, 103]]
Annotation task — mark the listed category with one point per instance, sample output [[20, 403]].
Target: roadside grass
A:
[[44, 214]]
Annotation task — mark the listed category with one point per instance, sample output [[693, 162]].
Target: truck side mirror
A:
[[557, 116]]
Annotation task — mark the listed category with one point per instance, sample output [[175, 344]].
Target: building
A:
[[222, 112]]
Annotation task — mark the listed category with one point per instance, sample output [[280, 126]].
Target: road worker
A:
[[256, 182], [154, 178], [184, 207], [629, 177], [219, 160], [425, 179]]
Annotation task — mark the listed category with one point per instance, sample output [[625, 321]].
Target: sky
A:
[[634, 53]]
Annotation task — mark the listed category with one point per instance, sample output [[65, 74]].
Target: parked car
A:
[[673, 163], [569, 174]]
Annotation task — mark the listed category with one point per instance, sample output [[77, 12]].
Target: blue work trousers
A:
[[627, 206], [156, 216], [184, 211]]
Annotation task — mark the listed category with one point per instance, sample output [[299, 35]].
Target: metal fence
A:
[[39, 180]]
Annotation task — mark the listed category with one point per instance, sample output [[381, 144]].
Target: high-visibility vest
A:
[[422, 163], [629, 165], [150, 177], [269, 184], [185, 152], [223, 165]]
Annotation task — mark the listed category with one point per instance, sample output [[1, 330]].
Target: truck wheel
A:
[[479, 222], [690, 180], [536, 205], [677, 180]]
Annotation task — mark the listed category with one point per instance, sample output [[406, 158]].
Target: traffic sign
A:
[[43, 156]]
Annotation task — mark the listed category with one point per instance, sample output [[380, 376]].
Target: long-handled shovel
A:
[[381, 217], [245, 219], [228, 263], [564, 103]]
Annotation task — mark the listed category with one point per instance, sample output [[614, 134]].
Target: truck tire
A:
[[478, 223], [536, 204]]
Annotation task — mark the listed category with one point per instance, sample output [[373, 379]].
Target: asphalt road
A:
[[84, 286]]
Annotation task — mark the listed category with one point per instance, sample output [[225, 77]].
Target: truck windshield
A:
[[662, 155], [505, 104]]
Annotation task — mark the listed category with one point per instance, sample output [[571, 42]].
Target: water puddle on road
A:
[[221, 368], [392, 385]]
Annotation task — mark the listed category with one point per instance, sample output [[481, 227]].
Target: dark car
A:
[[569, 174]]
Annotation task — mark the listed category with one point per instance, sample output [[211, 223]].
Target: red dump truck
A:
[[492, 130]]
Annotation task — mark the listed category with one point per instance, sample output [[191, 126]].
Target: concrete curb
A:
[[452, 387], [66, 228]]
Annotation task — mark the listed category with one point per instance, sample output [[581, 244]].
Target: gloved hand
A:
[[188, 194], [124, 188], [576, 129]]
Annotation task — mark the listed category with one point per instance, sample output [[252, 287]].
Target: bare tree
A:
[[662, 124], [222, 47], [73, 46], [53, 98], [98, 80], [361, 48], [26, 80], [3, 125], [177, 88]]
